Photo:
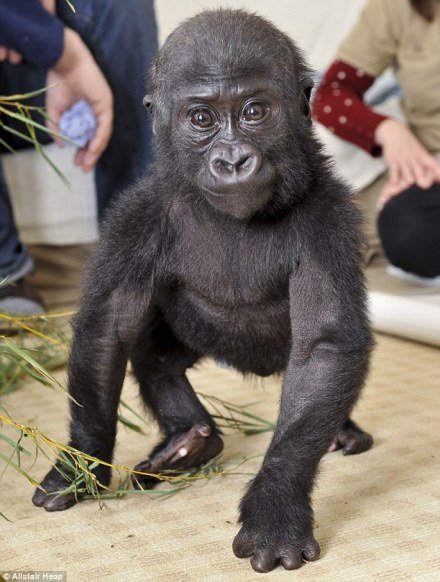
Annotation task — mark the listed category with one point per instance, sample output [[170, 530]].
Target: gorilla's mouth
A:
[[239, 192], [240, 202]]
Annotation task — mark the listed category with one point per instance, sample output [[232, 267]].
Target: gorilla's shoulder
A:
[[137, 212]]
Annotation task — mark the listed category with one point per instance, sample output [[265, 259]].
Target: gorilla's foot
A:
[[351, 439], [51, 495], [180, 452]]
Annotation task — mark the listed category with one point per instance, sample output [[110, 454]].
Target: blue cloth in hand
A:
[[78, 123]]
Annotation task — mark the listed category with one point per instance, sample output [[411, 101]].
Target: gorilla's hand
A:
[[276, 529]]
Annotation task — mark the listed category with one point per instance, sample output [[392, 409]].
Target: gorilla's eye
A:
[[202, 118], [254, 112]]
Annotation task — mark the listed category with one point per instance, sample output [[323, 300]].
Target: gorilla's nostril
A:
[[231, 166], [223, 166], [244, 163]]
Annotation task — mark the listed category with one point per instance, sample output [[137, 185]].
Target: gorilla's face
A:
[[230, 126]]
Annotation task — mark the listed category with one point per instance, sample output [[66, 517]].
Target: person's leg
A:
[[15, 261], [16, 296], [123, 39], [409, 227], [366, 199], [59, 271]]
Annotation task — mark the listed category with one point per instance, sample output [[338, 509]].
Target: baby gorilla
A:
[[240, 245]]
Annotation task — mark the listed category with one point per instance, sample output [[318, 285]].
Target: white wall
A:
[[318, 26]]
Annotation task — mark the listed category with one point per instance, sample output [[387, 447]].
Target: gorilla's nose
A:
[[234, 163]]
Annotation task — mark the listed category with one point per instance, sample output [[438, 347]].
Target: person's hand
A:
[[78, 77], [49, 6], [7, 54], [407, 160]]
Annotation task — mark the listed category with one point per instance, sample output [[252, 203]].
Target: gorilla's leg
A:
[[190, 434], [97, 366], [351, 439]]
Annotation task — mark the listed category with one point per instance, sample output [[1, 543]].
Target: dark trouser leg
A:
[[123, 39], [15, 262], [191, 436], [409, 226], [16, 295]]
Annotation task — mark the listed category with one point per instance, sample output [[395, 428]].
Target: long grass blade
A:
[[5, 144], [7, 345], [15, 445], [35, 124], [129, 424], [19, 134], [18, 469], [22, 96], [71, 6]]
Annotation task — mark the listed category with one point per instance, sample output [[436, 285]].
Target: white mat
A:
[[416, 318]]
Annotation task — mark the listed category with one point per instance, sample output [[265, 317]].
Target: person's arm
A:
[[370, 48], [339, 105], [407, 159], [367, 51], [76, 76], [29, 31]]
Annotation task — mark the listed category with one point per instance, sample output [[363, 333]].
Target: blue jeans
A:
[[122, 37]]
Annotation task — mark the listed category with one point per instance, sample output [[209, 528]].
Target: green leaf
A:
[[21, 96], [129, 424], [7, 345], [19, 134], [26, 120], [19, 469], [71, 6], [125, 405], [6, 145], [15, 445]]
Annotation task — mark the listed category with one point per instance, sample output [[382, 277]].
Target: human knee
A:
[[408, 227]]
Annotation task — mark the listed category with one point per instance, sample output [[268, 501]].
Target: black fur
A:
[[263, 273]]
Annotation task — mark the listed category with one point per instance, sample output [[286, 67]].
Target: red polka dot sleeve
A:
[[339, 105]]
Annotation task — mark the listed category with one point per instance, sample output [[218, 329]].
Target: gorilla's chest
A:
[[230, 299], [234, 268]]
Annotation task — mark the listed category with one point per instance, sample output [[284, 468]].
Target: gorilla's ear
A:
[[151, 88], [149, 106], [148, 102], [307, 86]]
